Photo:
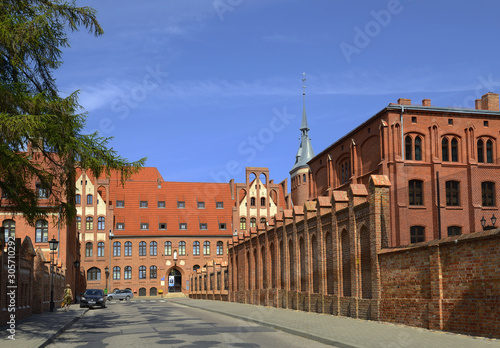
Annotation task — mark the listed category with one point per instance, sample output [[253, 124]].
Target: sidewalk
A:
[[40, 329], [340, 331]]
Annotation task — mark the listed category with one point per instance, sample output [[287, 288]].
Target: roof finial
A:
[[304, 84]]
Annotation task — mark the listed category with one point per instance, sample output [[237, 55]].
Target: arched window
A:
[[41, 231], [263, 201], [10, 229], [168, 248], [263, 220], [408, 148], [78, 223], [142, 272], [182, 248], [100, 249], [90, 199], [142, 292], [153, 248], [454, 150], [127, 273], [253, 222], [445, 150], [88, 249], [303, 178], [78, 199], [94, 273], [220, 248], [142, 249], [117, 247], [489, 151], [418, 149], [196, 267], [128, 249], [480, 151], [153, 272], [196, 248], [101, 223], [153, 292], [89, 223], [206, 248], [243, 223], [116, 273], [252, 201]]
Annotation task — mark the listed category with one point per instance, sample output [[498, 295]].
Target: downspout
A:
[[402, 133]]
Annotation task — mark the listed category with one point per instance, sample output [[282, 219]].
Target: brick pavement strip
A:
[[341, 331]]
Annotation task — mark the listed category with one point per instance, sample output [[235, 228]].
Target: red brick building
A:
[[442, 163], [151, 235]]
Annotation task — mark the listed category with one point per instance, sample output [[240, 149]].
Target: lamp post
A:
[[106, 270], [77, 278], [493, 222], [53, 243], [110, 236]]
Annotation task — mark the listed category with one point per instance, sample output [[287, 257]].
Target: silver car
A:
[[120, 295]]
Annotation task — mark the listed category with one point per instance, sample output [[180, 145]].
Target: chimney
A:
[[403, 101], [426, 102], [478, 104], [489, 101]]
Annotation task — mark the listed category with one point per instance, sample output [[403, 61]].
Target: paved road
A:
[[146, 324]]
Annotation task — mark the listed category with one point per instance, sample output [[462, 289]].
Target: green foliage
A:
[[41, 133]]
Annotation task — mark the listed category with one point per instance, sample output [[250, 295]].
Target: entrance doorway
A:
[[174, 281]]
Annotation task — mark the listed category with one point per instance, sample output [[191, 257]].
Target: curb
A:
[[277, 327], [61, 330]]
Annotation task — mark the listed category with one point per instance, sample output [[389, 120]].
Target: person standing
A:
[[68, 297]]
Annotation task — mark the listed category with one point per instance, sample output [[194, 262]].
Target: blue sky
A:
[[204, 88]]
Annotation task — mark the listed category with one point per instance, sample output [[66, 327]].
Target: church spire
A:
[[304, 116]]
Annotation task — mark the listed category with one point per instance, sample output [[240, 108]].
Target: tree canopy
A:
[[42, 138]]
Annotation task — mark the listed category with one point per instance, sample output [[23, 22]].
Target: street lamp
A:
[[77, 278], [53, 243], [110, 236], [493, 222], [106, 270]]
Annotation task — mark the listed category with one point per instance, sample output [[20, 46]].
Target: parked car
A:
[[121, 295], [92, 298]]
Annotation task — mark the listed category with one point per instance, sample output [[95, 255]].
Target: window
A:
[[345, 172], [120, 226], [219, 205], [88, 249], [152, 272], [206, 248], [78, 199], [489, 151], [94, 273], [203, 226], [181, 204], [10, 229], [220, 248], [120, 204], [454, 231], [414, 119], [42, 231], [418, 148], [252, 201], [153, 291], [89, 223], [144, 226], [201, 205], [142, 249], [142, 272], [127, 274], [161, 204], [454, 150], [450, 121], [415, 191], [303, 178], [488, 193], [143, 204], [42, 192], [142, 292], [162, 226], [153, 249], [116, 273], [90, 199], [417, 234], [445, 149], [117, 247], [196, 248], [243, 223], [183, 226], [222, 226], [78, 223], [263, 220], [408, 148], [101, 223], [452, 193], [182, 248], [128, 249], [485, 123], [263, 201], [253, 222], [100, 249], [168, 248], [413, 149], [480, 151]]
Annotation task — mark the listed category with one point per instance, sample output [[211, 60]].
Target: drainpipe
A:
[[402, 133]]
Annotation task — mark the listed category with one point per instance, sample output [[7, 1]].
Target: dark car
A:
[[121, 295], [92, 298]]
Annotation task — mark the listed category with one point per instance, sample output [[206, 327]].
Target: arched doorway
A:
[[174, 281]]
